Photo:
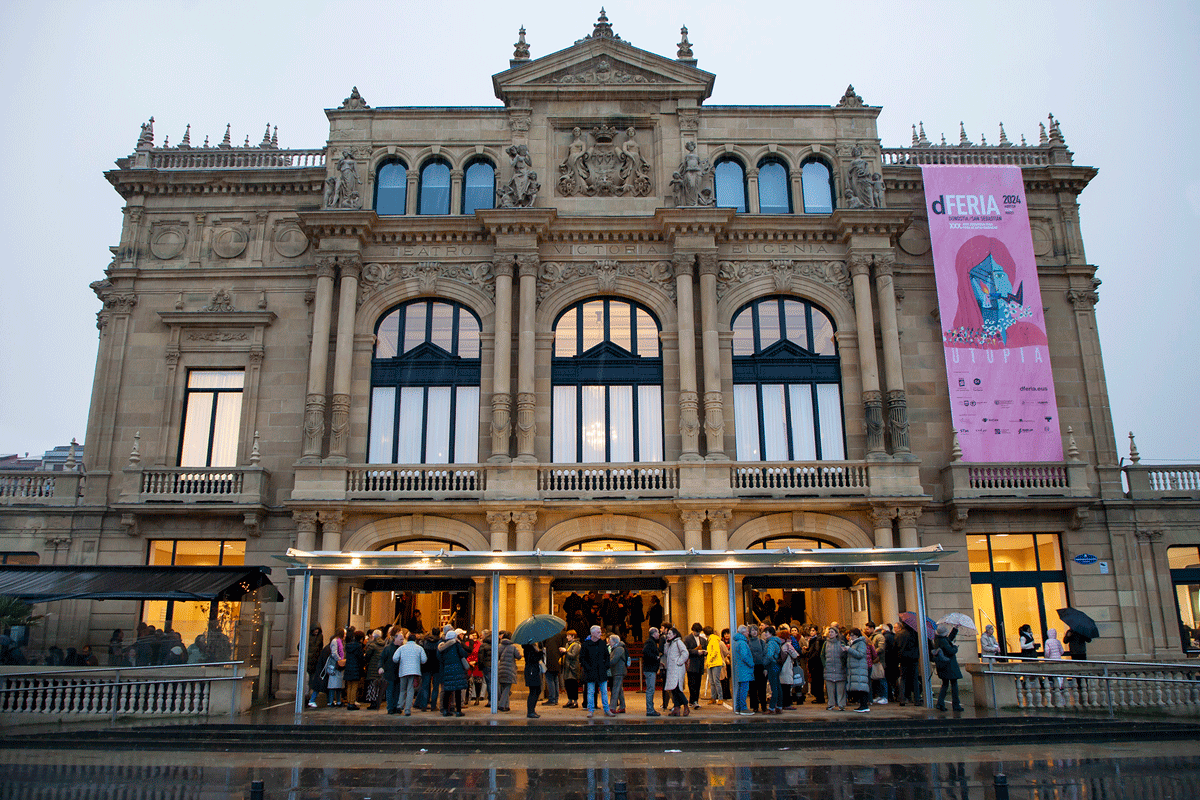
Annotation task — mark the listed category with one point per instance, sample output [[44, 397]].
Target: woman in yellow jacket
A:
[[714, 665]]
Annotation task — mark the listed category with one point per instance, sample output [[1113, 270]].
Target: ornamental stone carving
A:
[[689, 119], [1084, 299], [168, 242], [850, 99], [314, 423], [522, 188], [601, 72], [554, 274], [692, 182], [601, 169], [354, 102], [378, 276], [339, 424], [290, 241], [230, 242], [342, 189], [221, 302], [785, 274], [864, 188]]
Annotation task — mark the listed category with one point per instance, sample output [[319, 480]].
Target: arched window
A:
[[787, 395], [774, 190], [816, 182], [607, 377], [425, 385], [730, 182], [434, 191], [479, 187], [391, 188]]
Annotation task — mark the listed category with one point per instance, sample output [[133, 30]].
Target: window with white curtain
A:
[[425, 385], [787, 395], [212, 414], [607, 376]]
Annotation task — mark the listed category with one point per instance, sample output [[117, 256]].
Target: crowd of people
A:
[[151, 647], [776, 668]]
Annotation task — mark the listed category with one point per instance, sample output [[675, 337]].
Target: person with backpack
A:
[[773, 658]]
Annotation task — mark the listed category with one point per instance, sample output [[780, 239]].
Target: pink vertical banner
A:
[[993, 329]]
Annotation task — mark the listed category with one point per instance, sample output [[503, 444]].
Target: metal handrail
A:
[[1156, 664]]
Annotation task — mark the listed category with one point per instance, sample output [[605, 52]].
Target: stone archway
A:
[[836, 530], [609, 526], [373, 535]]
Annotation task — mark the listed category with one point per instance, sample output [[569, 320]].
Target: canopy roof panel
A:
[[42, 584]]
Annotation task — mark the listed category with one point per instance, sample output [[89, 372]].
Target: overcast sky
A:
[[79, 78]]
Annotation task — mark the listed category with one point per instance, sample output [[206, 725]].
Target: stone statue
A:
[[635, 171], [688, 183], [341, 190], [860, 190], [877, 190], [573, 173], [522, 189], [603, 168]]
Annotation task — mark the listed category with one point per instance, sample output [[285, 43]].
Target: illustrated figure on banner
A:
[[991, 313]]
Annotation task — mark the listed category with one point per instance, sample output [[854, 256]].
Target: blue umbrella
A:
[[909, 618], [538, 628]]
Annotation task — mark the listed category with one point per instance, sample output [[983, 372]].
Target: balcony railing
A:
[[236, 158], [800, 478], [966, 480], [1017, 156], [433, 481], [609, 480], [1160, 482], [20, 487], [240, 485]]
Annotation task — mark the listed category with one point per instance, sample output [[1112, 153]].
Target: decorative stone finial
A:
[[266, 142], [275, 138], [924, 140], [247, 142], [1042, 138], [70, 464], [685, 47], [186, 142], [146, 137], [914, 139], [850, 99], [206, 141], [226, 143], [166, 142], [1056, 136], [944, 140], [602, 29], [956, 453], [521, 47], [982, 140], [1023, 143], [1134, 455], [962, 135], [354, 102], [1072, 447], [135, 456], [255, 456], [1004, 142]]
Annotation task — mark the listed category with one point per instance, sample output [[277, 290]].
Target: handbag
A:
[[341, 662], [877, 671]]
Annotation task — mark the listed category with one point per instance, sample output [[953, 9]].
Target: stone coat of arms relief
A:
[[603, 169]]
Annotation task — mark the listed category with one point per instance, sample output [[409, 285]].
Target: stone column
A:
[[523, 599], [456, 190], [332, 523], [676, 610], [693, 537], [752, 206], [909, 538], [481, 611], [718, 539], [714, 397], [527, 264], [881, 521], [343, 358], [498, 525], [318, 363], [689, 413], [541, 597], [893, 371], [502, 371], [306, 540], [860, 269]]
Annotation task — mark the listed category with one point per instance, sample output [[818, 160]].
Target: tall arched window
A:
[[730, 183], [787, 395], [434, 191], [774, 189], [479, 187], [817, 184], [391, 188], [425, 385], [607, 377]]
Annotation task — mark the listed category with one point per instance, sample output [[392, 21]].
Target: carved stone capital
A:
[[528, 264], [333, 521], [351, 268], [908, 516], [314, 423], [524, 520], [1084, 299], [709, 263], [692, 520], [256, 355], [882, 517], [1148, 537], [57, 543], [885, 263], [305, 521], [860, 263], [683, 263], [172, 355], [719, 518], [326, 267], [503, 266], [498, 521]]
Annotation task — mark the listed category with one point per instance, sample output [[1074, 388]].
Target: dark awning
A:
[[43, 584]]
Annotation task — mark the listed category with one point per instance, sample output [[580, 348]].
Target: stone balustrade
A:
[[790, 478], [428, 481], [965, 480], [1017, 156], [44, 694], [41, 488], [238, 485], [1088, 685], [236, 158], [1162, 482], [657, 479]]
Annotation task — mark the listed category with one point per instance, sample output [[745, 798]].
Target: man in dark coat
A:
[[651, 656], [431, 674], [758, 686], [697, 647], [389, 670], [593, 662], [909, 653], [554, 665]]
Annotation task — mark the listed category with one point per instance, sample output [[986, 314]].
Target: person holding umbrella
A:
[[533, 677], [906, 648], [1081, 629], [946, 659]]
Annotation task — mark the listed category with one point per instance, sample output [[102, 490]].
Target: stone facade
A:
[[274, 264]]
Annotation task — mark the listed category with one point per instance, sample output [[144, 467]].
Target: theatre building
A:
[[601, 315]]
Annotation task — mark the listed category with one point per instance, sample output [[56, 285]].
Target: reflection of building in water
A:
[[675, 334]]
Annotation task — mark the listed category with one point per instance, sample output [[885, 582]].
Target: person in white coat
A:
[[675, 658], [410, 656]]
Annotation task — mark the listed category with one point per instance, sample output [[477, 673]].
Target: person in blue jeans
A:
[[743, 665], [774, 646], [593, 662], [431, 676], [651, 656]]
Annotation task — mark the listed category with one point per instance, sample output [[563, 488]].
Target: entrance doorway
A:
[[803, 600], [416, 604], [624, 606]]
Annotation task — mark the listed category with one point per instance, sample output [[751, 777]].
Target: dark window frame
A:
[[428, 163], [787, 183], [832, 185], [731, 159], [477, 160], [188, 391], [375, 199]]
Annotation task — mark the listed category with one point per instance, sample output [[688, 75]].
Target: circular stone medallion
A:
[[915, 240], [1043, 244], [167, 244], [230, 242], [290, 242]]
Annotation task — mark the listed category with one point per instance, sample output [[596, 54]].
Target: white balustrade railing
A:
[[800, 477], [1017, 476], [158, 691], [236, 158], [191, 482], [973, 154], [22, 487], [1095, 685], [1161, 482], [27, 484], [419, 480], [658, 479]]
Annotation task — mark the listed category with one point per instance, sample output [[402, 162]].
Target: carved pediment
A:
[[603, 71]]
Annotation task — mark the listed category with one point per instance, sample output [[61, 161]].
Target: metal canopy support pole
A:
[[495, 676], [733, 626], [926, 677], [303, 655]]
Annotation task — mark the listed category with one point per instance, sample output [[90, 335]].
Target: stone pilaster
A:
[[860, 270], [714, 397], [689, 401], [318, 362], [502, 372], [897, 405], [528, 265], [339, 433]]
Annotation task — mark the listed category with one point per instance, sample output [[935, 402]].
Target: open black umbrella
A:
[[1079, 622], [538, 628]]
